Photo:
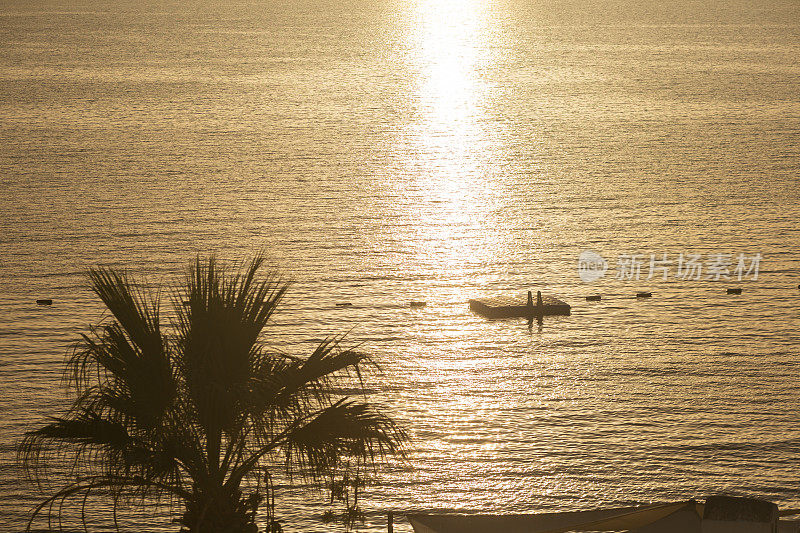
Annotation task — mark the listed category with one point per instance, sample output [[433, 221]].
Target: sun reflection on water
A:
[[454, 147], [449, 41]]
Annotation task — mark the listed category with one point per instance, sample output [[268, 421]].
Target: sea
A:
[[380, 152]]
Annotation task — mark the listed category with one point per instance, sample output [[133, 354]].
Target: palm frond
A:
[[71, 437], [282, 387], [218, 331], [87, 484], [100, 448], [346, 429], [316, 444], [137, 314], [128, 355]]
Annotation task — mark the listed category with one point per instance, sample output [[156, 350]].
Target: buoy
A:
[[344, 304], [644, 294], [735, 291], [45, 301], [418, 304], [593, 298]]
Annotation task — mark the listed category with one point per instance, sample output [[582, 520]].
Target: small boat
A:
[[718, 514]]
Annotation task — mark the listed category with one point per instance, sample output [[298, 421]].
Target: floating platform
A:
[[511, 306]]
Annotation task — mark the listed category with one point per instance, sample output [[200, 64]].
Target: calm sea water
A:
[[388, 151]]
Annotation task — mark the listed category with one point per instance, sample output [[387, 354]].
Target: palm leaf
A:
[[129, 355], [346, 429], [218, 332]]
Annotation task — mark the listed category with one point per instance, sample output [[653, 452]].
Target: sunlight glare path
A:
[[455, 139]]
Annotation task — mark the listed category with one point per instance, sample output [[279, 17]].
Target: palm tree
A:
[[196, 408]]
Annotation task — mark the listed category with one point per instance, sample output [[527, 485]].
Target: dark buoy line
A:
[[504, 307]]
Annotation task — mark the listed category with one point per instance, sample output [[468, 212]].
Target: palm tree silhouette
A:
[[199, 410]]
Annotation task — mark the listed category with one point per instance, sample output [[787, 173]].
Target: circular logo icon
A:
[[591, 266]]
